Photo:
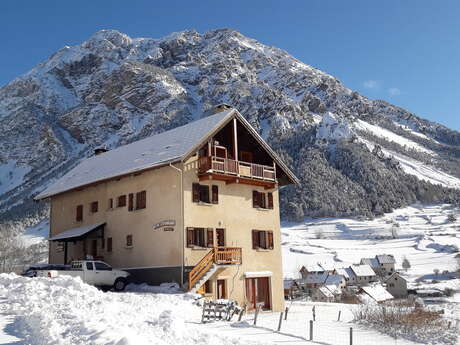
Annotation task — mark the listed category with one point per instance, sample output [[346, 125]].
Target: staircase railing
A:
[[217, 255]]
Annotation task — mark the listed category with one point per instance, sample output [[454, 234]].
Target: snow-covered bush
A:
[[451, 218], [407, 319]]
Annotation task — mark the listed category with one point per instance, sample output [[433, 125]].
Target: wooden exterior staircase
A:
[[208, 265]]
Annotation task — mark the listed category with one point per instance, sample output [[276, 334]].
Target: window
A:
[[79, 217], [220, 234], [94, 206], [262, 200], [215, 194], [129, 240], [262, 239], [110, 203], [109, 244], [200, 193], [89, 266], [121, 201], [141, 200], [200, 237], [100, 266]]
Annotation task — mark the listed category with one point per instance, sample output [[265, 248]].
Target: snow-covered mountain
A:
[[353, 155]]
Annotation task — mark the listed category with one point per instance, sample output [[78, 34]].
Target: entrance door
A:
[[93, 251], [258, 292], [221, 289]]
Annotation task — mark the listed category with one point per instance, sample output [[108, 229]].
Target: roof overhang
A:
[[76, 234]]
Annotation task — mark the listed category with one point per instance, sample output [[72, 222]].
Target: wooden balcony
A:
[[233, 171], [216, 256]]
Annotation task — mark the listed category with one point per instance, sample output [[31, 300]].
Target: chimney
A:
[[100, 150], [221, 107]]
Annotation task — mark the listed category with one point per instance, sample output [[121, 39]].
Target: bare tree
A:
[[406, 264]]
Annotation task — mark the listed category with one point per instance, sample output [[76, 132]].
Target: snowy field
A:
[[67, 311]]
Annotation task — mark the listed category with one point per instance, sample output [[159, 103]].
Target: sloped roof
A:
[[313, 268], [334, 279], [395, 275], [370, 261], [363, 270], [327, 266], [385, 259], [289, 283], [347, 272], [377, 292], [76, 232], [325, 291], [168, 147], [315, 278]]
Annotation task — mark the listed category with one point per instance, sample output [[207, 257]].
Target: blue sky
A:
[[405, 52]]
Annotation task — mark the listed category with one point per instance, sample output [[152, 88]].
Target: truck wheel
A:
[[120, 284]]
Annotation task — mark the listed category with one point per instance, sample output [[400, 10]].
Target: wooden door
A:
[[220, 234], [93, 248], [221, 289], [258, 292]]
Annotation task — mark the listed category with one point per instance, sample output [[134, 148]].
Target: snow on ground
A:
[[37, 233], [389, 135], [66, 311], [12, 175]]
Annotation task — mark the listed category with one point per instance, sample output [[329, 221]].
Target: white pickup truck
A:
[[92, 272]]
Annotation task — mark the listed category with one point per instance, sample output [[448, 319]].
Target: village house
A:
[[348, 274], [364, 274], [197, 205], [396, 285], [322, 294], [291, 289], [382, 264], [375, 293], [310, 269]]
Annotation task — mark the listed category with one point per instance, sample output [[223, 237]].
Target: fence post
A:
[[311, 330], [285, 313], [255, 316], [241, 314], [338, 318], [351, 335], [281, 320], [314, 313]]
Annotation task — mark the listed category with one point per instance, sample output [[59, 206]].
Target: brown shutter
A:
[[210, 237], [121, 201], [270, 239], [141, 200], [109, 244], [255, 239], [130, 202], [220, 233], [110, 203], [270, 200], [79, 216], [94, 206], [196, 192], [262, 200], [215, 194], [190, 237], [255, 199]]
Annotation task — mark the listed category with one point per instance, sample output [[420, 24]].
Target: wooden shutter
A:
[[215, 194], [190, 237], [141, 200], [204, 193], [109, 244], [270, 200], [220, 233], [110, 203], [121, 201], [270, 239], [210, 237], [196, 192], [255, 239], [79, 216], [130, 201], [255, 199]]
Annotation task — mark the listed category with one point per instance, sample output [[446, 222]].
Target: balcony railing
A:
[[237, 168]]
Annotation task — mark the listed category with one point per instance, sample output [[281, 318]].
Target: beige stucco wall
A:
[[235, 213], [150, 247]]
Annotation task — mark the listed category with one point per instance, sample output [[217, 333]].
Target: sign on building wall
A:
[[165, 223]]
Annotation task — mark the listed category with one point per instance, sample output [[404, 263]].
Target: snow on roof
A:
[[377, 292], [325, 291], [288, 283], [315, 278], [363, 270], [395, 275], [336, 290], [157, 150], [313, 268], [75, 232], [153, 151], [327, 266], [386, 259], [347, 272], [373, 262], [334, 279]]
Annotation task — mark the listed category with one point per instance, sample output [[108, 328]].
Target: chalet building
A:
[[382, 265], [364, 274], [396, 285], [197, 205]]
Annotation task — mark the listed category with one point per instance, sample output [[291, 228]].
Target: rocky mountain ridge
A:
[[113, 89]]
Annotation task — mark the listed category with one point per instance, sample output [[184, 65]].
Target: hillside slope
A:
[[365, 157]]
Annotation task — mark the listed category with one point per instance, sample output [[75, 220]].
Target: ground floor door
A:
[[258, 292], [221, 289], [93, 252]]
